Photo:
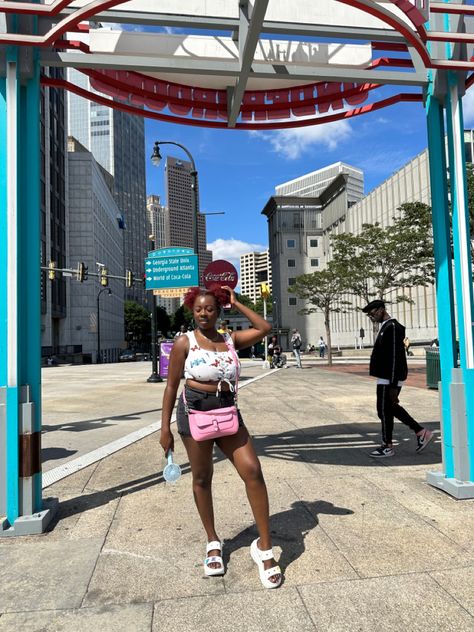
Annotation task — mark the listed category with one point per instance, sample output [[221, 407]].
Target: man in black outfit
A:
[[388, 364]]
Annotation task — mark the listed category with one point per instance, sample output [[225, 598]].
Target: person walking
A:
[[322, 347], [211, 368], [388, 363], [181, 332], [296, 343]]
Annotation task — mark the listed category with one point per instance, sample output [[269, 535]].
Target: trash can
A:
[[433, 367]]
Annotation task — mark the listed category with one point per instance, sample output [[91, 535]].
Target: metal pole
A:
[[155, 376], [266, 364], [195, 204], [195, 217], [98, 327]]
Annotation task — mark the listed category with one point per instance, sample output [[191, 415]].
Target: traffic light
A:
[[128, 278], [82, 272], [51, 270], [264, 290], [104, 279]]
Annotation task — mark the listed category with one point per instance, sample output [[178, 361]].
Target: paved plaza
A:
[[364, 545]]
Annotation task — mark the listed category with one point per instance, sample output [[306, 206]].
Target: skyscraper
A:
[[54, 220], [179, 197], [255, 268], [117, 142]]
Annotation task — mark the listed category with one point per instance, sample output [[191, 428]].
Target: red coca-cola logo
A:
[[220, 272]]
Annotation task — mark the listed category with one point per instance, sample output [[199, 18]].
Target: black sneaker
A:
[[423, 439], [383, 452]]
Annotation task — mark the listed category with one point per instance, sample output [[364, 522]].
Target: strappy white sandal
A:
[[214, 559], [259, 557]]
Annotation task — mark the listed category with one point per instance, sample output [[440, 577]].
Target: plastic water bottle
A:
[[172, 471]]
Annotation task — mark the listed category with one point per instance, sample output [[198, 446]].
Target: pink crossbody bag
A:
[[221, 422]]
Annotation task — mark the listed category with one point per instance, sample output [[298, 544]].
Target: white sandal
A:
[[214, 559], [259, 557]]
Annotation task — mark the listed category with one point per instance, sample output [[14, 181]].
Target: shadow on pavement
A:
[[52, 454], [289, 529], [346, 444], [340, 444], [100, 422]]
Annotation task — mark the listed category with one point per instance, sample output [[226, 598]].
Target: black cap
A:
[[373, 305]]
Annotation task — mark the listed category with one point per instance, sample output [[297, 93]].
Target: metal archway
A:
[[254, 65]]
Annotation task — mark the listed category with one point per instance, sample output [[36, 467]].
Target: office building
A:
[[295, 235], [54, 217], [156, 225], [95, 238], [255, 269], [314, 183], [179, 202], [117, 142]]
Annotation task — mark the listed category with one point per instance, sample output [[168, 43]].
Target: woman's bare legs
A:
[[239, 450], [200, 460]]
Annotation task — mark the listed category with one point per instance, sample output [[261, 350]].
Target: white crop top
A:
[[203, 365]]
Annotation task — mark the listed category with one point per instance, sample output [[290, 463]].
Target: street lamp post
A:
[[155, 376], [109, 291], [156, 159]]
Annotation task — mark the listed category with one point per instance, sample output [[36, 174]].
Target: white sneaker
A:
[[383, 452]]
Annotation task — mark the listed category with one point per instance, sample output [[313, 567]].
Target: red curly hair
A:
[[221, 296]]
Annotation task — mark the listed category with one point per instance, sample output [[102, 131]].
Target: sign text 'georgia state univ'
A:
[[172, 271]]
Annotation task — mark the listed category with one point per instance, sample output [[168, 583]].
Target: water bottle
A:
[[172, 471]]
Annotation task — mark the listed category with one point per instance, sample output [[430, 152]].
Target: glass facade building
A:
[[117, 142]]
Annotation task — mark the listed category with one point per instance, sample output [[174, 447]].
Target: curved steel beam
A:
[[62, 83], [67, 24], [385, 16]]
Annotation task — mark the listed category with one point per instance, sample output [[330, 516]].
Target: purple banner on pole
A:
[[165, 350]]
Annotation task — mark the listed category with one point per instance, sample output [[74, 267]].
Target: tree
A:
[[163, 321], [323, 290], [470, 201], [383, 262], [245, 300], [259, 306], [182, 316], [137, 322]]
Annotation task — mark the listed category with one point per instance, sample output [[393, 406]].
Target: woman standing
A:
[[211, 367]]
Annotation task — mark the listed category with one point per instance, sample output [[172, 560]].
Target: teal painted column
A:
[[3, 297], [463, 264], [20, 315], [457, 389], [443, 268]]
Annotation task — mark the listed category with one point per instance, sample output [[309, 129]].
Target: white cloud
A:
[[468, 106], [292, 143], [231, 249]]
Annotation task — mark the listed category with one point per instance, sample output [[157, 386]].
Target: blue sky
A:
[[238, 170]]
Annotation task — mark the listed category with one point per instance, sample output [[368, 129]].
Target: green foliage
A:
[[470, 196], [322, 291], [137, 322], [163, 321], [382, 262], [182, 316], [245, 300], [259, 306]]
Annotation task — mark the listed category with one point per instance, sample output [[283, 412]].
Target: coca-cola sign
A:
[[220, 272]]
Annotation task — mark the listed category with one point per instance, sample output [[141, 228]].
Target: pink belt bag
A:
[[212, 424]]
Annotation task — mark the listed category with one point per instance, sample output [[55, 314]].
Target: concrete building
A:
[[255, 268], [314, 183], [156, 225], [179, 204], [290, 239], [295, 234], [117, 142], [54, 216], [94, 237]]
